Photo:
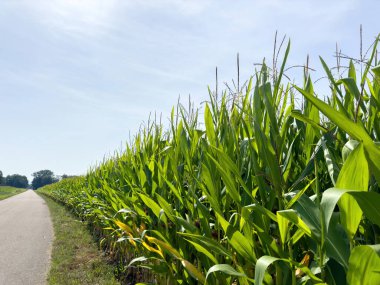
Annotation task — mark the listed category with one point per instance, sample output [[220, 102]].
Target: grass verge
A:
[[76, 258], [8, 191]]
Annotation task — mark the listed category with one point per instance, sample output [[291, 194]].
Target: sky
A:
[[79, 77]]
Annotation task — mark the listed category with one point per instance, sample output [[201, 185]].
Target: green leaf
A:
[[355, 130], [174, 190], [297, 195], [352, 71], [291, 215], [348, 148], [372, 151], [209, 188], [231, 166], [376, 70], [364, 265], [369, 62], [368, 201], [269, 105], [194, 272], [156, 209], [264, 211], [301, 117], [278, 81], [310, 214], [354, 175], [186, 225], [264, 261], [210, 131], [312, 114], [268, 155], [283, 226], [228, 179], [237, 240], [203, 250], [209, 243], [168, 210], [330, 77], [332, 167], [261, 267], [352, 88], [225, 268]]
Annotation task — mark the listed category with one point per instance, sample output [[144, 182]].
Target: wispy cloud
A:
[[75, 17], [97, 17], [186, 7]]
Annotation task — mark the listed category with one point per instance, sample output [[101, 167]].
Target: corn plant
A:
[[256, 191]]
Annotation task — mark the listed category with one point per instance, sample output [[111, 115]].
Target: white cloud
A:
[[96, 17], [185, 7], [75, 17]]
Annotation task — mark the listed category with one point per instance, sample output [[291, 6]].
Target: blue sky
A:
[[78, 77]]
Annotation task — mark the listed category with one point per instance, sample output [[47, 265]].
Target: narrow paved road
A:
[[26, 235]]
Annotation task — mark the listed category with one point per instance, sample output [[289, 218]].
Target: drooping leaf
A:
[[261, 268], [364, 265], [264, 262], [368, 201], [291, 216], [348, 148], [355, 130], [311, 215], [200, 248], [194, 272], [226, 269], [151, 204], [238, 241]]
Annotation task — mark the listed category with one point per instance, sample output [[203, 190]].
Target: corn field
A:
[[251, 189]]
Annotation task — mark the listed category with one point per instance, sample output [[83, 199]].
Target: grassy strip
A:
[[75, 256], [8, 191]]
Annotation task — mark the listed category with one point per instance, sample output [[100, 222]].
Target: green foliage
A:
[[254, 195], [1, 178], [364, 265], [42, 178], [16, 180]]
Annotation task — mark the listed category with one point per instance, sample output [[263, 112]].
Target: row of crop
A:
[[263, 193]]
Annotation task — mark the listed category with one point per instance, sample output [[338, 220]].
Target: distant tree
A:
[[1, 178], [17, 180], [42, 178], [64, 176]]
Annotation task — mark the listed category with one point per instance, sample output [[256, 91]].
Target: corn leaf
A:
[[226, 269], [354, 175], [364, 265]]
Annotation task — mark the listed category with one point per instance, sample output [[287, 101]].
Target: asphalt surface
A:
[[26, 235]]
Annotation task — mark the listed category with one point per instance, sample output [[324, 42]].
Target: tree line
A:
[[40, 178]]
